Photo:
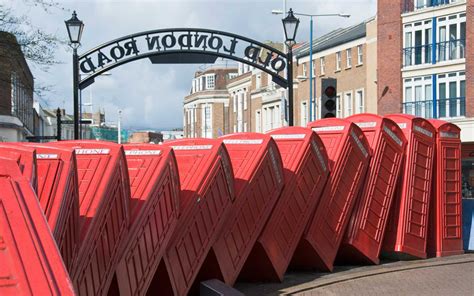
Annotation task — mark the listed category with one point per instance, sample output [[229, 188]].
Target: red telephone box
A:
[[207, 193], [445, 224], [306, 171], [25, 158], [408, 222], [59, 196], [154, 210], [104, 193], [29, 258], [349, 155], [259, 180], [364, 235]]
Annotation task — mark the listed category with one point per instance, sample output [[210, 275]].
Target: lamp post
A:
[[311, 93], [74, 29], [290, 26]]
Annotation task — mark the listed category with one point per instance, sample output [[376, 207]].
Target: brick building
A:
[[17, 116], [424, 67], [347, 54], [206, 108]]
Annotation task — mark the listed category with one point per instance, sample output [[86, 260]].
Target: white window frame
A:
[[339, 113], [411, 28], [338, 61], [206, 123], [313, 70], [258, 120], [349, 58], [210, 81], [447, 79], [244, 94], [322, 63], [420, 82], [359, 104], [304, 72], [348, 104], [360, 55], [304, 113]]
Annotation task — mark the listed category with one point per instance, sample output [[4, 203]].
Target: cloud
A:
[[152, 95]]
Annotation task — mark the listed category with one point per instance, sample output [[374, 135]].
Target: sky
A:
[[151, 96]]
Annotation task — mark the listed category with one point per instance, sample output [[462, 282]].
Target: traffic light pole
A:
[[290, 85]]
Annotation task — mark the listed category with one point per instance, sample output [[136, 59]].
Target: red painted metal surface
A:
[[259, 180], [59, 196], [25, 158], [30, 262], [305, 173], [349, 155], [408, 220], [364, 235], [104, 193], [445, 223], [154, 210], [207, 192]]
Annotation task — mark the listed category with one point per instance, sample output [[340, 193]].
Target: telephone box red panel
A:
[[59, 196], [349, 155], [306, 171], [364, 235], [258, 183], [30, 262], [154, 210], [408, 220], [25, 158], [445, 224], [207, 193], [104, 193]]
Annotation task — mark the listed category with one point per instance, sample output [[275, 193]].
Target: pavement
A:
[[452, 276]]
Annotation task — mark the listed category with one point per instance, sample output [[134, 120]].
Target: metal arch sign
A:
[[182, 46]]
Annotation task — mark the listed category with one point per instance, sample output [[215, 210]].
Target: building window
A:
[[338, 61], [360, 55], [338, 106], [452, 95], [207, 121], [451, 37], [258, 121], [417, 43], [304, 113], [210, 81], [244, 95], [322, 65], [233, 75], [349, 57], [271, 117], [348, 104], [304, 69], [418, 99], [360, 101], [313, 69]]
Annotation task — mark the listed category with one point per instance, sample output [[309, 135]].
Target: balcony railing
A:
[[446, 108], [451, 50], [417, 55], [413, 5], [445, 51]]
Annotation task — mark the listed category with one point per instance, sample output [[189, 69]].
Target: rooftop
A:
[[334, 38]]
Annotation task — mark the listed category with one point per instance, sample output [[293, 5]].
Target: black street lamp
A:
[[74, 29], [290, 25]]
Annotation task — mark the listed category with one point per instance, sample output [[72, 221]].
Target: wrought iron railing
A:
[[445, 51], [417, 55], [452, 107], [451, 50]]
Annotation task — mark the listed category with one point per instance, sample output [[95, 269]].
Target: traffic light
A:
[[328, 97]]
